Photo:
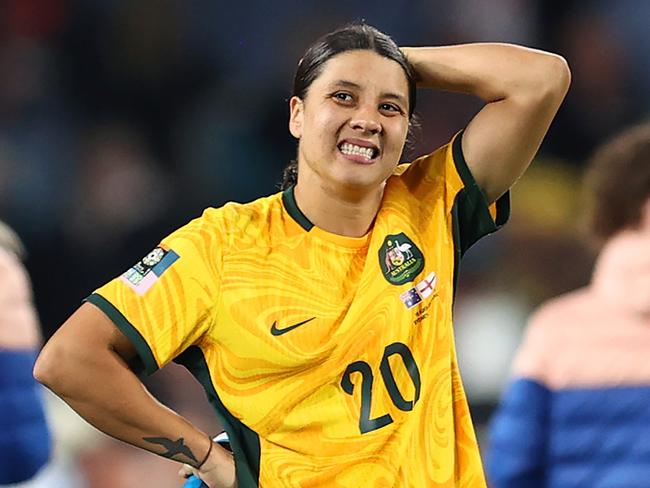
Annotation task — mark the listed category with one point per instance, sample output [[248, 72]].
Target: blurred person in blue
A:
[[24, 435], [287, 308], [577, 410]]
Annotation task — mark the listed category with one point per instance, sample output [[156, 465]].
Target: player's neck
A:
[[345, 214]]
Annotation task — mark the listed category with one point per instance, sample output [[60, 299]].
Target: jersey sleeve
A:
[[165, 302], [476, 218], [444, 175]]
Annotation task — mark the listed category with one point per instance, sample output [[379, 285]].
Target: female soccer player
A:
[[318, 319]]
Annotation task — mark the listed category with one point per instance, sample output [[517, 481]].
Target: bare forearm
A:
[[108, 395], [84, 363], [491, 71], [523, 89]]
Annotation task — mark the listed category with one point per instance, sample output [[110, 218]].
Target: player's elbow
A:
[[544, 86], [44, 368], [559, 74], [52, 368], [552, 78]]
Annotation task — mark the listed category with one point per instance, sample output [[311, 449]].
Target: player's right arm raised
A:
[[85, 363]]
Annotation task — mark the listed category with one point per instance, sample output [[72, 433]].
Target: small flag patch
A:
[[411, 298], [427, 285], [142, 276]]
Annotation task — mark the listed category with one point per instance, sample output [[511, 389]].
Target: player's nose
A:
[[366, 120]]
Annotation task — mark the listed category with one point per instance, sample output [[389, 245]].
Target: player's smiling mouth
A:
[[365, 153]]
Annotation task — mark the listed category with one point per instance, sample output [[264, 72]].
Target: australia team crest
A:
[[400, 259]]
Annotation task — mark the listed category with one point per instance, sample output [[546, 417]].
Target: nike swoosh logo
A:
[[277, 332]]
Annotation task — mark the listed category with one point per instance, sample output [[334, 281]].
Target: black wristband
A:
[[207, 455]]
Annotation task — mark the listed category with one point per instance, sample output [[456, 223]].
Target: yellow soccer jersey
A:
[[330, 360]]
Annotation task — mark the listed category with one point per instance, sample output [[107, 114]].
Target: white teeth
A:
[[366, 152]]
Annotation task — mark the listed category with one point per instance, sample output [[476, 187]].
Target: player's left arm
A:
[[523, 89]]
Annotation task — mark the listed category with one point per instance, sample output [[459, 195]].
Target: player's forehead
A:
[[364, 70]]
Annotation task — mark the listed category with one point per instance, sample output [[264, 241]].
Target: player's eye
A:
[[342, 97], [390, 107]]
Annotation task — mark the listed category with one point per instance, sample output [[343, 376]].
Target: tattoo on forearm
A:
[[173, 447]]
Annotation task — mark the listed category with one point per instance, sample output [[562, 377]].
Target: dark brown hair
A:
[[617, 183], [350, 37]]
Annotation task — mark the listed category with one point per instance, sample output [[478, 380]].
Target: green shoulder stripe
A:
[[144, 351]]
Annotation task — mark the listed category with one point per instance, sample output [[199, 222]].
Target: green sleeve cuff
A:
[[472, 210], [121, 322]]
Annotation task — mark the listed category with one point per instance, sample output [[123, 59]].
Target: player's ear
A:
[[296, 110]]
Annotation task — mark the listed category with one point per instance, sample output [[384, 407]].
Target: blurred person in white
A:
[[24, 435], [576, 413]]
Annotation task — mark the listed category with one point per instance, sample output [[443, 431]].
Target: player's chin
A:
[[361, 176], [359, 180]]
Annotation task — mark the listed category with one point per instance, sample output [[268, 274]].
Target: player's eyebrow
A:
[[351, 84]]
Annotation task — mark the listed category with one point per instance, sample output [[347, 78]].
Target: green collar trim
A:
[[289, 200]]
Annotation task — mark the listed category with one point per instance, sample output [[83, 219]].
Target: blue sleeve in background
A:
[[25, 442], [517, 437]]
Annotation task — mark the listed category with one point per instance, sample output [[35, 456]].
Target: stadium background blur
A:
[[122, 120]]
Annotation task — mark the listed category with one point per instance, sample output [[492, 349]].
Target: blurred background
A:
[[121, 120]]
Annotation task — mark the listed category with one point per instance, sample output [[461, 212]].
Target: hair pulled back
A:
[[348, 38]]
